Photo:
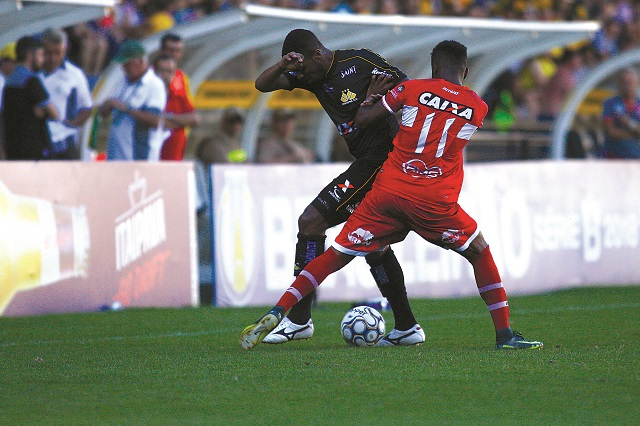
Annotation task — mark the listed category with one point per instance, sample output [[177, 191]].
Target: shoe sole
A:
[[387, 343], [287, 341], [515, 349], [254, 333]]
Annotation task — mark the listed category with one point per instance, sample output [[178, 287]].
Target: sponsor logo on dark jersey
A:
[[345, 186], [336, 193], [348, 71], [376, 71], [442, 104], [340, 189]]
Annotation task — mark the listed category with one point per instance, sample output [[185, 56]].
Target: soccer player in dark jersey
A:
[[340, 80], [416, 190]]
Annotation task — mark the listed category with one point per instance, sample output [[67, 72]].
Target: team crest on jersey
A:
[[348, 97], [360, 237], [442, 104], [450, 236]]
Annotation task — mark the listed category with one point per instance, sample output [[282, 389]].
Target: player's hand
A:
[[371, 99], [380, 84], [291, 61]]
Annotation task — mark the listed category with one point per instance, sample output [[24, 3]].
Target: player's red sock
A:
[[310, 278], [491, 290]]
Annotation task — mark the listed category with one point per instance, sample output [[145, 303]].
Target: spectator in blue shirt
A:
[[621, 118]]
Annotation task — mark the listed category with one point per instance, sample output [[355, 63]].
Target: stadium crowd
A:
[[515, 95]]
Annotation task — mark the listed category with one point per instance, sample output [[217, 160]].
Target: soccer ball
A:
[[362, 326]]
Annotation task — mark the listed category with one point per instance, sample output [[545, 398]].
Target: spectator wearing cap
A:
[[69, 90], [27, 106], [224, 146], [279, 146], [136, 110], [7, 64], [179, 112]]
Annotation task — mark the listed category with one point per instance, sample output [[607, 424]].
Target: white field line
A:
[[422, 319]]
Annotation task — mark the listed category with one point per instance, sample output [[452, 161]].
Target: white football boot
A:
[[411, 337], [287, 331]]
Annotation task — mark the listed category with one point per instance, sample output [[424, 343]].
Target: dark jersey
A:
[[341, 92], [26, 136]]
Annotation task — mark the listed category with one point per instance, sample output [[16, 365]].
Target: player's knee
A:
[[311, 222], [475, 249]]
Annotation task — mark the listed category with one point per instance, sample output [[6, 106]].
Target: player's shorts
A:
[[384, 218], [340, 198]]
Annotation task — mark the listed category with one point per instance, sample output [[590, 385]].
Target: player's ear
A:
[[464, 74], [317, 54]]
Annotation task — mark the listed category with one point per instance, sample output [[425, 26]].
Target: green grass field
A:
[[184, 366]]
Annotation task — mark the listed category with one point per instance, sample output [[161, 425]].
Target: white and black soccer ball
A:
[[362, 326]]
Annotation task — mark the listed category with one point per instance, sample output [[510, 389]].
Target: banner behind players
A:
[[550, 225], [81, 236]]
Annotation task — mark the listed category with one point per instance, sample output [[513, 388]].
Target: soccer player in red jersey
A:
[[416, 190]]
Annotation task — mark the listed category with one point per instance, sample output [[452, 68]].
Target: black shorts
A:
[[340, 198]]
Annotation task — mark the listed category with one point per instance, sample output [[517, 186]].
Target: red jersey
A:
[[178, 102], [438, 118]]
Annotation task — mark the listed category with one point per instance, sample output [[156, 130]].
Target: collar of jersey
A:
[[333, 57]]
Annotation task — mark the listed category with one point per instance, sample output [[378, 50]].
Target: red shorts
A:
[[383, 218]]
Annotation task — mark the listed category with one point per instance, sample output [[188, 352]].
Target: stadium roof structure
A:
[[493, 46], [20, 18]]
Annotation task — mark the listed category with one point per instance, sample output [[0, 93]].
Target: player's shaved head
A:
[[301, 41], [450, 54], [449, 61]]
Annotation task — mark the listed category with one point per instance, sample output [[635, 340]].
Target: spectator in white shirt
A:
[[69, 91], [136, 131]]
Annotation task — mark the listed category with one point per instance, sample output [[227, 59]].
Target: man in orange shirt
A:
[[180, 110]]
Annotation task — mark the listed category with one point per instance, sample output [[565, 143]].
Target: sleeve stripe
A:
[[386, 105], [467, 131]]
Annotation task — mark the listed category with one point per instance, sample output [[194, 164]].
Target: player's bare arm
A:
[[380, 84], [371, 111], [273, 79]]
